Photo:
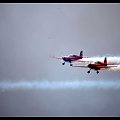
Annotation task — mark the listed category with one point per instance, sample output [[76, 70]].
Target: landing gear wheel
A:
[[63, 63], [70, 64], [88, 71], [97, 72]]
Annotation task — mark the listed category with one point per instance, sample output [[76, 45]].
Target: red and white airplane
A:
[[98, 66], [71, 58]]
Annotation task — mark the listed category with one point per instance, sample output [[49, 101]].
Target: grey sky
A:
[[30, 33]]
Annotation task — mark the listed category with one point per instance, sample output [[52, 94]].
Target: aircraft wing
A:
[[55, 57], [80, 60], [80, 66], [107, 66]]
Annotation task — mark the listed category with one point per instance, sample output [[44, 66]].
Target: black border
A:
[[59, 2]]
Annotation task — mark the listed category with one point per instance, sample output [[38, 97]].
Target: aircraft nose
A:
[[64, 58], [89, 65]]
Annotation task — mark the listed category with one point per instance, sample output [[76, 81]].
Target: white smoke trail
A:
[[110, 60], [115, 68], [53, 85]]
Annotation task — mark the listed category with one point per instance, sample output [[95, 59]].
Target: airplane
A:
[[97, 66], [71, 58]]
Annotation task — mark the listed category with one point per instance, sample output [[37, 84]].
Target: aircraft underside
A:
[[93, 69], [68, 62]]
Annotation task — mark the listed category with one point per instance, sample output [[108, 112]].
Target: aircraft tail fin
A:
[[105, 61], [81, 54]]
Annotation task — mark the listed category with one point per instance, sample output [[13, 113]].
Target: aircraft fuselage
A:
[[96, 67], [70, 59]]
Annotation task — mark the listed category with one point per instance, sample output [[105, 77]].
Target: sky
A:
[[30, 33]]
